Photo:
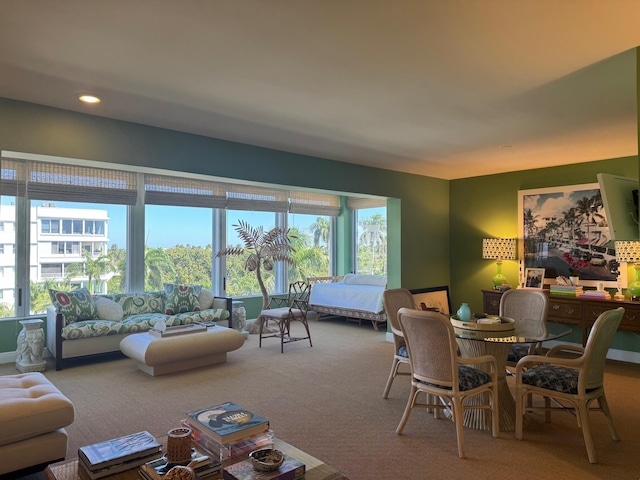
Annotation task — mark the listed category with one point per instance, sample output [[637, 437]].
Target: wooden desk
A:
[[581, 312], [316, 469]]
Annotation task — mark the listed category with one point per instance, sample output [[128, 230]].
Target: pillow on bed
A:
[[359, 279]]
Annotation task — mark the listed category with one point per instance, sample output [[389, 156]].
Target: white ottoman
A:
[[161, 355], [33, 414]]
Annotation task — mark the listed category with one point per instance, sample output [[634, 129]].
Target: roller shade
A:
[[186, 192], [68, 183], [314, 203], [245, 197], [358, 203]]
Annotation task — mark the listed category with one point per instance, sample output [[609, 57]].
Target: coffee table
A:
[[316, 469]]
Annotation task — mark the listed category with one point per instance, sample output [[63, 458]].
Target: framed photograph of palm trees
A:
[[565, 231]]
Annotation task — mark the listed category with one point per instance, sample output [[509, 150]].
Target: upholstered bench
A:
[[158, 355], [33, 414]]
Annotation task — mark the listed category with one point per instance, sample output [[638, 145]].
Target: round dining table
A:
[[475, 342]]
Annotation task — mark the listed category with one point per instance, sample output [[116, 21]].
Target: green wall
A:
[[418, 233], [487, 206]]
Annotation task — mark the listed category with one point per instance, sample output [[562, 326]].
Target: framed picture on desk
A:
[[534, 278]]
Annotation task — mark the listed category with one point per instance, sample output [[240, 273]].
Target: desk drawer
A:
[[630, 320], [564, 311], [491, 302]]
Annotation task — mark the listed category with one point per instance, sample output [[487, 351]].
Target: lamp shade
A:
[[628, 251], [499, 248]]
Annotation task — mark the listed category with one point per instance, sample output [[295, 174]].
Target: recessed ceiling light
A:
[[89, 99]]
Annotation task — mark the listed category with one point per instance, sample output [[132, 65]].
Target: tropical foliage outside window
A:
[[371, 234]]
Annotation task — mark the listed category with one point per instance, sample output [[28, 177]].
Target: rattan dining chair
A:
[[573, 383], [283, 311], [393, 300], [438, 371], [528, 308]]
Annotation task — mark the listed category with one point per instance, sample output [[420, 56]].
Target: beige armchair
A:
[[438, 371], [393, 300], [574, 383]]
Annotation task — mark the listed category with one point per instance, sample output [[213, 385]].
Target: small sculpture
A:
[[180, 473]]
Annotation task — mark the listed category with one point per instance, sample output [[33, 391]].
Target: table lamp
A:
[[629, 252], [499, 249]]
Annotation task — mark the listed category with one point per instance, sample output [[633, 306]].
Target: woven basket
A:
[[179, 445]]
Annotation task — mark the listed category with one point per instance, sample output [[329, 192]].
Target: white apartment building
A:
[[58, 236]]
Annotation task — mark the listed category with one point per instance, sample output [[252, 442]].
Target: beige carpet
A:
[[327, 400]]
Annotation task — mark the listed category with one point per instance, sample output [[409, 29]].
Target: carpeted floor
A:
[[327, 400]]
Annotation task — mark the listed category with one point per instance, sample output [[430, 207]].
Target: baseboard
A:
[[613, 354], [10, 357]]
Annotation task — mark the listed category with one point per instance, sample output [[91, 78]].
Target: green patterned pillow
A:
[[181, 298], [75, 306]]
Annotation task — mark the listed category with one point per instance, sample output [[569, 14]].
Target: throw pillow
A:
[[108, 309], [75, 306], [205, 299], [181, 298]]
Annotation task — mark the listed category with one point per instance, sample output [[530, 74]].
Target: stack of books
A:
[[203, 466], [566, 290], [228, 430], [603, 294], [117, 455]]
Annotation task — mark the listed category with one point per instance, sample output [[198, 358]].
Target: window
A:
[[178, 246], [313, 246], [370, 239], [75, 231]]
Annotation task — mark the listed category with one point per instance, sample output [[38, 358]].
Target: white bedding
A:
[[367, 298]]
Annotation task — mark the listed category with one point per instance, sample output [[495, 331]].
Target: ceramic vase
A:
[[464, 313]]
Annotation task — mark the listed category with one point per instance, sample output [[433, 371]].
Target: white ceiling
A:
[[445, 88]]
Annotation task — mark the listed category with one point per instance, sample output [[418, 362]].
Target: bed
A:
[[354, 296]]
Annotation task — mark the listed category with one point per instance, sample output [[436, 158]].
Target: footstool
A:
[[158, 355], [33, 414]]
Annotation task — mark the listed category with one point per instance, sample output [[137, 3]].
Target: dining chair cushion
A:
[[468, 378], [403, 352], [517, 351], [550, 377]]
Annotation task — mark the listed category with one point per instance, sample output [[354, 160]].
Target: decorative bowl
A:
[[266, 459]]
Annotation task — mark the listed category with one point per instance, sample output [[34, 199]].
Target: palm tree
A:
[[321, 231], [373, 235], [39, 293], [265, 249], [93, 268], [158, 268]]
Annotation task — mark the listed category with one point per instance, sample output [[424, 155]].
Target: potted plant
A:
[[266, 248], [575, 266]]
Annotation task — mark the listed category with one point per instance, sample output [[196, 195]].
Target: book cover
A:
[[291, 469], [119, 450], [228, 422]]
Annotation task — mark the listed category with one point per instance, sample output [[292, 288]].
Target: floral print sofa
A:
[[95, 324]]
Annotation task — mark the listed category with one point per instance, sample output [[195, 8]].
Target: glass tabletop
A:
[[554, 331]]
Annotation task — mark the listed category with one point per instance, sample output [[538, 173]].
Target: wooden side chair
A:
[[438, 371], [573, 383], [283, 311], [393, 300]]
